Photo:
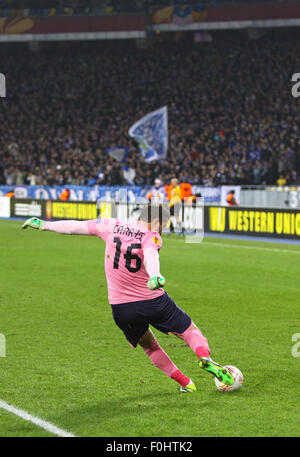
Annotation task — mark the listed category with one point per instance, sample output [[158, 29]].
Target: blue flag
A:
[[151, 133], [118, 153]]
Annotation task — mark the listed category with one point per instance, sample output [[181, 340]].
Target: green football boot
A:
[[221, 373], [190, 387]]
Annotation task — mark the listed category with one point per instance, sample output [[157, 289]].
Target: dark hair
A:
[[151, 212]]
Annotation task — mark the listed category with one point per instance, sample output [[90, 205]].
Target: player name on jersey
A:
[[129, 231]]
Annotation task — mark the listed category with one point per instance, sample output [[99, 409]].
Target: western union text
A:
[[271, 222], [80, 211]]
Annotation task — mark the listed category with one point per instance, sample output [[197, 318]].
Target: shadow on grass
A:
[[126, 413]]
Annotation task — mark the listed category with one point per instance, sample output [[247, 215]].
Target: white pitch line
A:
[[237, 246], [36, 420]]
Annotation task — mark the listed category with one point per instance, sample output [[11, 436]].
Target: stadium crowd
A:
[[232, 118]]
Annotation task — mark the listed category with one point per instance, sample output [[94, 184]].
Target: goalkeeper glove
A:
[[35, 223], [156, 282]]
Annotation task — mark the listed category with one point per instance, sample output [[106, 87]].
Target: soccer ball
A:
[[238, 380]]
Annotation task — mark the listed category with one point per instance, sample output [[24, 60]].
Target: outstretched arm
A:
[[68, 227], [64, 227]]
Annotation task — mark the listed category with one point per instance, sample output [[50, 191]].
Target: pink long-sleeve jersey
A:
[[131, 255]]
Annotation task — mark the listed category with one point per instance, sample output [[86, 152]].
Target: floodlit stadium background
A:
[[75, 77]]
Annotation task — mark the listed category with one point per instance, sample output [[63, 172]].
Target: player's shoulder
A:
[[104, 225], [107, 221], [152, 239]]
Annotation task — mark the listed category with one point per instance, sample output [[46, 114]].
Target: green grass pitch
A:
[[67, 363]]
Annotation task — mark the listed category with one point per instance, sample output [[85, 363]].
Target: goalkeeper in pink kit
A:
[[135, 288]]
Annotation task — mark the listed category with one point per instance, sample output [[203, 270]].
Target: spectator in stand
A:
[[158, 192]]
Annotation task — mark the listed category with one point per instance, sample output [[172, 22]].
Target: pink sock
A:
[[180, 378], [161, 360], [197, 342]]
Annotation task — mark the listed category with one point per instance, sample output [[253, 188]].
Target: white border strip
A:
[[227, 25], [36, 420], [73, 36]]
